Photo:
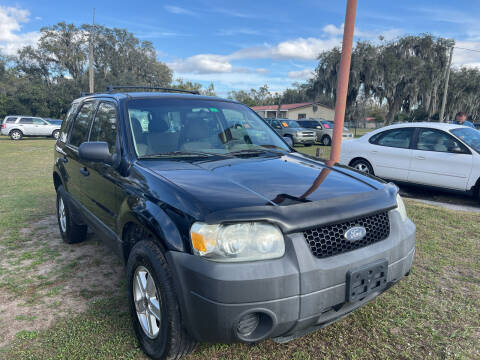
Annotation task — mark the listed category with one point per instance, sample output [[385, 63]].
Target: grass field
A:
[[61, 301]]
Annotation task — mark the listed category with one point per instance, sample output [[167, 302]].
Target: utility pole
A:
[[342, 84], [90, 56], [445, 89]]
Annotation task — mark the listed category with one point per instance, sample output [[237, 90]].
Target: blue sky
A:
[[244, 44]]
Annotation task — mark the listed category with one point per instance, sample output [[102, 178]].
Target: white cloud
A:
[[178, 10], [304, 74], [464, 57], [202, 64], [10, 24]]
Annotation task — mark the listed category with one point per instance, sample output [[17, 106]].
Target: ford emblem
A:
[[355, 233]]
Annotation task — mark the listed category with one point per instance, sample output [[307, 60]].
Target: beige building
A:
[[296, 111]]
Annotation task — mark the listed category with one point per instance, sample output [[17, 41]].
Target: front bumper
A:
[[304, 140], [294, 295]]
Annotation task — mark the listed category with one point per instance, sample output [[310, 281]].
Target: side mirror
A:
[[288, 140], [96, 151]]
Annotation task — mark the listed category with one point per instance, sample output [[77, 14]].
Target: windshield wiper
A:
[[180, 153]]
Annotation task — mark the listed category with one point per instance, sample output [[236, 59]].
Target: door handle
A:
[[374, 151], [84, 171], [420, 157], [63, 159]]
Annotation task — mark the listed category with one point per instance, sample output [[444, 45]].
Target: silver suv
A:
[[18, 126], [291, 129], [324, 130]]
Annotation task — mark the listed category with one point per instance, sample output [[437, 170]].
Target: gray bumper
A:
[[297, 293]]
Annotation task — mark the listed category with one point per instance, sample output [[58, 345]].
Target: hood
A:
[[237, 182]]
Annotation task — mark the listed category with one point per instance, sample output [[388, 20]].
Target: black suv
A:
[[228, 234]]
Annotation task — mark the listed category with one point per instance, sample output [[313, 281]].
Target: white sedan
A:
[[433, 154]]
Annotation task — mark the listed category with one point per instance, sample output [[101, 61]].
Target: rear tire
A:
[[56, 134], [363, 166], [71, 233], [16, 135], [326, 140], [153, 304]]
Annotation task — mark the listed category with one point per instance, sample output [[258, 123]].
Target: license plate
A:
[[367, 279]]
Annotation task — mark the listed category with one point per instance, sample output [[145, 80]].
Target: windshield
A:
[[309, 124], [291, 124], [470, 136], [179, 127]]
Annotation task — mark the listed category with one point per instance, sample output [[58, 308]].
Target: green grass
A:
[[432, 314]]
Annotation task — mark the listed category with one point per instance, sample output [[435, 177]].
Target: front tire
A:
[[153, 304], [71, 233], [16, 135], [363, 166], [326, 140], [56, 134]]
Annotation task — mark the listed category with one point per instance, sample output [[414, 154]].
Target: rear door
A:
[[438, 159], [25, 124], [390, 153], [76, 171], [100, 186]]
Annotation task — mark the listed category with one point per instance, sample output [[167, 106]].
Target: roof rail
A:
[[111, 88]]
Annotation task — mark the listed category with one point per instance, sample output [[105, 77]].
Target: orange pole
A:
[[343, 76]]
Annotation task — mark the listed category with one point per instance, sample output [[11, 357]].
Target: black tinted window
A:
[[82, 124], [11, 120], [308, 124], [397, 138], [104, 126], [26, 121]]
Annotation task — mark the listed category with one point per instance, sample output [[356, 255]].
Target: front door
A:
[[40, 127], [438, 159], [100, 186]]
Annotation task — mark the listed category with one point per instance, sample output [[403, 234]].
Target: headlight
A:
[[237, 242], [401, 208]]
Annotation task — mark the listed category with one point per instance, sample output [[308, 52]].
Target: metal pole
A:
[[445, 90], [343, 76], [90, 56]]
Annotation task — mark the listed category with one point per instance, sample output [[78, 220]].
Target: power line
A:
[[460, 48]]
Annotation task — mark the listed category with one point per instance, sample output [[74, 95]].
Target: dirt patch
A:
[[43, 279]]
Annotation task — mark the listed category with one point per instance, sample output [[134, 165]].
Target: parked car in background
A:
[[54, 121], [323, 130], [434, 154], [19, 126], [227, 236], [292, 129]]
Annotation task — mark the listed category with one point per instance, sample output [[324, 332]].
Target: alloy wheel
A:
[[147, 302], [62, 217]]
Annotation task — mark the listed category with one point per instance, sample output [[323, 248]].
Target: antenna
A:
[[90, 56]]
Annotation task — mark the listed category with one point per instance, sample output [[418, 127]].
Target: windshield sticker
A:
[[213, 109], [284, 124]]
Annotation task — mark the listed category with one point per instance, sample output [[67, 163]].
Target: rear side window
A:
[[26, 121], [104, 126], [397, 138], [10, 120], [81, 126]]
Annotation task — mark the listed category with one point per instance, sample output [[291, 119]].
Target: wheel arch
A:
[[359, 158], [12, 130], [57, 180], [148, 221]]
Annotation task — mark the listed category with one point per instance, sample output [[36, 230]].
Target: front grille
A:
[[329, 240]]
